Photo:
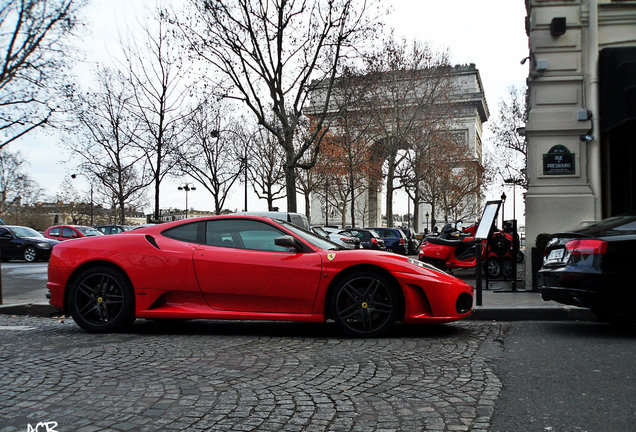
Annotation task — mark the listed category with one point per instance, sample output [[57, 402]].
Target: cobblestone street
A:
[[220, 376]]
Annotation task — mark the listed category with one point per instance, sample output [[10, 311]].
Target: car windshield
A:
[[88, 231], [614, 225], [25, 232], [310, 237]]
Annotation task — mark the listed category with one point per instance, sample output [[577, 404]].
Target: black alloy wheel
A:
[[30, 254], [102, 300], [506, 269], [364, 305], [493, 267]]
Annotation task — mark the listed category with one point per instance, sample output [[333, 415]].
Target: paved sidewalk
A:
[[496, 306]]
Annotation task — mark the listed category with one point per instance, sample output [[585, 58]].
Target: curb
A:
[[31, 309], [480, 313], [531, 313]]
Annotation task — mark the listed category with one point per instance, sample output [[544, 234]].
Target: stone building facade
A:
[[470, 112], [581, 112]]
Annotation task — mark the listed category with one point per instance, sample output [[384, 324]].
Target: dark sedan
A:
[[394, 239], [18, 242], [369, 239], [592, 267]]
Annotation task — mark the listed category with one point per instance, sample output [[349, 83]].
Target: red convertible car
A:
[[248, 268]]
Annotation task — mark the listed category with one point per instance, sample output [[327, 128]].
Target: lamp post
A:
[[427, 221], [503, 201], [74, 176], [187, 187]]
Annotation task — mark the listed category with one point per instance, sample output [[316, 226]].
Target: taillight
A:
[[586, 247], [402, 241], [374, 241], [346, 240]]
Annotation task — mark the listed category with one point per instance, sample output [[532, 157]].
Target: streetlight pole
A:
[[427, 221], [503, 201], [245, 168], [74, 176], [187, 187]]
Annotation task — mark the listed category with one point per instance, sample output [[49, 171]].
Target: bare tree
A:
[[512, 146], [71, 202], [211, 156], [32, 56], [16, 187], [271, 51], [265, 168], [413, 89], [156, 76], [106, 142], [349, 131]]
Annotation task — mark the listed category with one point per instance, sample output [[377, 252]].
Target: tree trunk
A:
[[290, 186], [416, 209], [353, 201], [389, 193], [308, 207]]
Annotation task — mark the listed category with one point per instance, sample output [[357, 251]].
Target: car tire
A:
[[101, 300], [493, 267], [364, 304], [520, 257], [30, 254], [507, 269], [615, 318]]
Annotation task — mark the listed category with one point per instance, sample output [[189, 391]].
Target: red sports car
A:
[[249, 268]]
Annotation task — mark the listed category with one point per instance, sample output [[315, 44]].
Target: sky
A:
[[489, 33]]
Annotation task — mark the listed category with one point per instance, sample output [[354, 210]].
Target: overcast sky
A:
[[489, 33]]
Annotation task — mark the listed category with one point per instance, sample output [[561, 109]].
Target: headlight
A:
[[425, 265], [44, 245]]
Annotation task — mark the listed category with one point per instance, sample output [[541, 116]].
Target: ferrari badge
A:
[[331, 256]]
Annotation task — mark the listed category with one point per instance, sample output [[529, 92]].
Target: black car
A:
[[413, 243], [592, 267], [18, 242], [369, 239], [394, 239]]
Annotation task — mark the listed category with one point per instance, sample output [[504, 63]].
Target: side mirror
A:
[[288, 242], [74, 235], [458, 225]]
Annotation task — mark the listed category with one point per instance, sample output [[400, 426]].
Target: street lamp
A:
[[74, 176], [187, 187], [427, 221], [503, 200]]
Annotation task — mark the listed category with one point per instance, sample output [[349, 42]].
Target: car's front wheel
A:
[[364, 304], [101, 300], [30, 254]]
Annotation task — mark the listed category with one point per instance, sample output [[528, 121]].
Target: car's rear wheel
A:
[[102, 300], [507, 269], [493, 267], [365, 304], [615, 318], [30, 254]]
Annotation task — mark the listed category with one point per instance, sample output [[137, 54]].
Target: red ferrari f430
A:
[[248, 268]]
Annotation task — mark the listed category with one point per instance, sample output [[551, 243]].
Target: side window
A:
[[191, 233], [55, 232], [68, 232], [388, 234], [243, 234], [4, 233]]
